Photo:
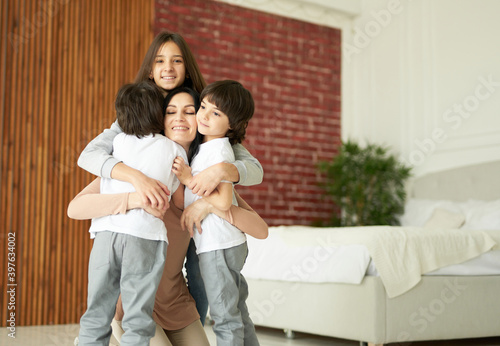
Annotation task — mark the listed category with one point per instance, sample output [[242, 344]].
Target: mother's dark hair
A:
[[193, 148]]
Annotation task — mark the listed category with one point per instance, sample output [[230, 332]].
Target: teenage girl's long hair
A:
[[194, 78]]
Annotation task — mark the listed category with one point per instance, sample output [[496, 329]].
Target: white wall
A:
[[422, 76], [426, 80]]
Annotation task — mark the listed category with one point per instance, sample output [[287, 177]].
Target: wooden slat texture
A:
[[61, 63]]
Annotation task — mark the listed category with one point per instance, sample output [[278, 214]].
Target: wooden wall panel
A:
[[61, 63]]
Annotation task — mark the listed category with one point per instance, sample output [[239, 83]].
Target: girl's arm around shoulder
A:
[[96, 158], [250, 170]]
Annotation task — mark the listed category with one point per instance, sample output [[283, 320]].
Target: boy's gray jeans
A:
[[227, 291], [130, 265]]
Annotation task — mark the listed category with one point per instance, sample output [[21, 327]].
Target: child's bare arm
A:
[[222, 197], [182, 170], [246, 171], [153, 192], [97, 159], [242, 216]]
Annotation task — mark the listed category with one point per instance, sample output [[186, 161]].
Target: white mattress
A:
[[314, 260]]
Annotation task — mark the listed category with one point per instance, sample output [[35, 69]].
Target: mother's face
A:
[[180, 120]]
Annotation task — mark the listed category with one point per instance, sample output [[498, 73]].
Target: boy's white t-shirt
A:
[[217, 233], [153, 155]]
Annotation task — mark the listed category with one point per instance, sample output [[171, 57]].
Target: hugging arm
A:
[[90, 203], [243, 217], [246, 171], [97, 159], [221, 197], [247, 220], [86, 206]]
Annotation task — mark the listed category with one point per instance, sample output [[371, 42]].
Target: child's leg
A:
[[103, 291], [195, 282], [143, 262], [250, 334], [221, 274]]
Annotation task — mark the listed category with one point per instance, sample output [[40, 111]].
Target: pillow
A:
[[418, 211], [483, 216], [442, 218]]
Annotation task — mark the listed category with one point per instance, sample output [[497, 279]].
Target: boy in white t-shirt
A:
[[129, 250], [226, 108]]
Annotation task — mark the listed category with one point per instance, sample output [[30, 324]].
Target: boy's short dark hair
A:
[[233, 100], [139, 109]]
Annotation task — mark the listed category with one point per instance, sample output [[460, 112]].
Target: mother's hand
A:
[[194, 214]]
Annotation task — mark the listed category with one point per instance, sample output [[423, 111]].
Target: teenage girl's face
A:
[[212, 123], [169, 70], [180, 120]]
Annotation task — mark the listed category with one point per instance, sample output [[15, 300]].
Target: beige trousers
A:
[[192, 335]]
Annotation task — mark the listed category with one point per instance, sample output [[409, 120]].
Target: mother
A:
[[169, 63]]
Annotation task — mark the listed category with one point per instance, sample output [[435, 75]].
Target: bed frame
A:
[[438, 308]]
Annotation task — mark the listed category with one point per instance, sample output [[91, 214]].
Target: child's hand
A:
[[136, 202], [153, 192], [182, 170], [206, 181]]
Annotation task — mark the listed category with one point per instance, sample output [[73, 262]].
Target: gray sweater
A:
[[97, 158]]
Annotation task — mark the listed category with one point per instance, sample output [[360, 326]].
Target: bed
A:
[[448, 296]]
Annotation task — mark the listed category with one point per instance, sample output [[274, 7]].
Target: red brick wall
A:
[[292, 69]]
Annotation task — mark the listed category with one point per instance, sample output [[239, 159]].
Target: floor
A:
[[64, 335]]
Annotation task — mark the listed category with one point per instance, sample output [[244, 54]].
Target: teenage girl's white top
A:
[[217, 233], [153, 155]]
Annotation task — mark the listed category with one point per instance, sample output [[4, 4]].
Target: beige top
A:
[[174, 307]]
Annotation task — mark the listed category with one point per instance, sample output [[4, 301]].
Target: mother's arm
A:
[[247, 220], [90, 203], [242, 217], [97, 159], [246, 171]]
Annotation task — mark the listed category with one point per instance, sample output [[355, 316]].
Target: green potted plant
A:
[[367, 185]]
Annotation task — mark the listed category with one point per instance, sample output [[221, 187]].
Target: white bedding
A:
[[313, 260], [487, 263], [300, 253]]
